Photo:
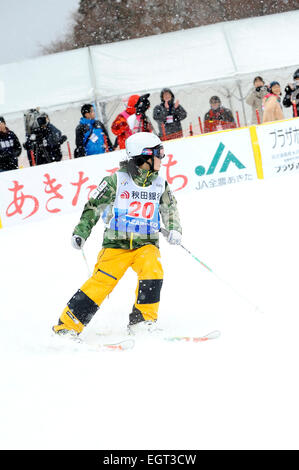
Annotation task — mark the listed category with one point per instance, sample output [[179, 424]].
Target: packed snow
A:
[[236, 392]]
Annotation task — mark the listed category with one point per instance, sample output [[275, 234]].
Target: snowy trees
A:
[[104, 21]]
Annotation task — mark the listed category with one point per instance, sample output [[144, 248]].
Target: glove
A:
[[63, 138], [174, 237], [77, 242]]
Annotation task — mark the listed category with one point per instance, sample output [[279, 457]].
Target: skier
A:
[[130, 201]]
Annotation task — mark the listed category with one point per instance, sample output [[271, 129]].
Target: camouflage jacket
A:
[[102, 200]]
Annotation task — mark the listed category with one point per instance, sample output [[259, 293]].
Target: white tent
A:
[[207, 53], [211, 53]]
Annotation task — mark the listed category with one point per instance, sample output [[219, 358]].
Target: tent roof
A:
[[208, 53]]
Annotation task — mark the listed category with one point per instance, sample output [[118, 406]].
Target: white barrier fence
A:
[[192, 163], [279, 144]]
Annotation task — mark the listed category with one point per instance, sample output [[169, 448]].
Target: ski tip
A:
[[196, 339], [213, 335], [121, 346]]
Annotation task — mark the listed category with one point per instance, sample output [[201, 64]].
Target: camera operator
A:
[[255, 98], [292, 93], [139, 122], [45, 141]]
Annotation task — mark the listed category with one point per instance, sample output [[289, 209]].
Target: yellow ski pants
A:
[[111, 265]]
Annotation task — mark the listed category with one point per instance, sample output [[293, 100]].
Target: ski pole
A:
[[84, 257], [165, 233]]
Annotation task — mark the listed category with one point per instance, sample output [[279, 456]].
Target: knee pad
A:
[[149, 291], [83, 307]]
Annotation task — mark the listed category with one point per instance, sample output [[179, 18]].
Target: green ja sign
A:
[[230, 158]]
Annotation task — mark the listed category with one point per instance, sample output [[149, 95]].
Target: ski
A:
[[129, 343], [122, 345], [195, 339]]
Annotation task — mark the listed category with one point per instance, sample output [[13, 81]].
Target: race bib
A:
[[93, 137], [136, 209]]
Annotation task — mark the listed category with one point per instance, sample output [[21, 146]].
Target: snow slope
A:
[[237, 392]]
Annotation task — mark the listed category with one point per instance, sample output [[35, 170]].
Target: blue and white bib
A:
[[136, 208]]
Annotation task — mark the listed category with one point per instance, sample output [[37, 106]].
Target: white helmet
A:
[[137, 143]]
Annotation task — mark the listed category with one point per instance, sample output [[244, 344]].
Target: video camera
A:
[[142, 104], [39, 124], [35, 123]]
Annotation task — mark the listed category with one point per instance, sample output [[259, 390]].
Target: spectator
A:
[[91, 135], [292, 94], [120, 126], [44, 140], [139, 122], [255, 99], [10, 148], [218, 118], [169, 114], [31, 125], [271, 104]]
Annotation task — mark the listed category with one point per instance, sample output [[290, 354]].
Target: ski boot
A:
[[137, 323], [68, 324]]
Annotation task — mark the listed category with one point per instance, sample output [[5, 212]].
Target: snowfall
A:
[[239, 391]]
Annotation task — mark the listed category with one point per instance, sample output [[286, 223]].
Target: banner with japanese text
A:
[[210, 160], [31, 194], [192, 163], [279, 145]]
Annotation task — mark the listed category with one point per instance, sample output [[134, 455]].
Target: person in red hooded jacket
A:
[[120, 126]]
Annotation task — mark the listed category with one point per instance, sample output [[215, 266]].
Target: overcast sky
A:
[[26, 24]]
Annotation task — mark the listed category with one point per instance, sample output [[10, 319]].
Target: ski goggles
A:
[[157, 151]]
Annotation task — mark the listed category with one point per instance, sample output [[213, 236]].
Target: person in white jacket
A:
[[255, 99]]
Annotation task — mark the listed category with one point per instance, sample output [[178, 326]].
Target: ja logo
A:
[[230, 158]]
